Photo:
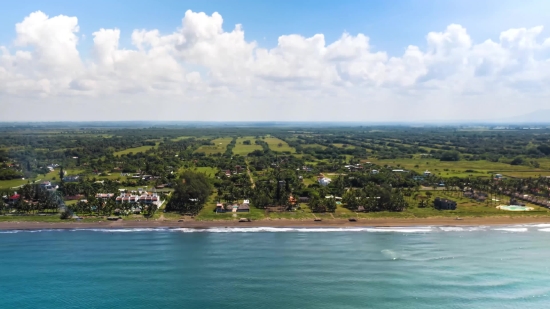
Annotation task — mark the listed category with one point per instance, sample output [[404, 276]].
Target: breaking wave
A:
[[402, 230]]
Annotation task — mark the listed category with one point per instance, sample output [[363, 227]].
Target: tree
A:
[[450, 156], [191, 192]]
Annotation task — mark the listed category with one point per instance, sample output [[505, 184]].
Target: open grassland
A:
[[209, 171], [278, 145], [242, 149], [134, 150], [480, 168], [220, 146]]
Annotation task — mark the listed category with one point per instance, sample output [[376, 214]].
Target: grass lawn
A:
[[134, 150], [220, 146], [243, 150], [274, 142]]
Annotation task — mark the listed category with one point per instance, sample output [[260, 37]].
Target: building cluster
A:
[[233, 207], [143, 198]]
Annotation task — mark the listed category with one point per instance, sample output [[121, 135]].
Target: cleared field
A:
[[220, 146], [278, 145], [242, 149], [460, 168], [134, 150]]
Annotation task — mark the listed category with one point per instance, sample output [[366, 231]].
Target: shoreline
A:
[[278, 223]]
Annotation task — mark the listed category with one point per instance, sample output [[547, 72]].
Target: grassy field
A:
[[209, 171], [11, 184], [134, 150], [274, 142], [458, 168], [220, 145], [243, 150]]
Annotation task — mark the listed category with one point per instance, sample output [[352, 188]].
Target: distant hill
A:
[[538, 116]]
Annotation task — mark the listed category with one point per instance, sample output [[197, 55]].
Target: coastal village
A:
[[296, 175]]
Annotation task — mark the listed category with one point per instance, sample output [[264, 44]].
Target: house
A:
[[243, 208], [418, 178], [71, 178], [104, 196], [324, 181], [444, 204], [360, 208], [374, 172], [398, 171], [427, 173], [219, 208], [13, 198], [48, 186]]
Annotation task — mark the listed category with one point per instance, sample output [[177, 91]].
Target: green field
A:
[[274, 143], [220, 146], [481, 168], [12, 184], [209, 171], [243, 150], [134, 150]]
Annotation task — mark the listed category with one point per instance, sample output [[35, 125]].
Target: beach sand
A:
[[333, 223]]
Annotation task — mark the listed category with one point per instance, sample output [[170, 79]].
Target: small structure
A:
[[427, 173], [14, 198], [219, 208], [360, 208], [303, 199], [243, 208], [444, 204], [374, 172], [324, 181]]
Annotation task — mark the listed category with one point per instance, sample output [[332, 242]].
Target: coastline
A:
[[278, 223]]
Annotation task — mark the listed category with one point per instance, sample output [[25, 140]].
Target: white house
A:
[[374, 172], [324, 181], [427, 173]]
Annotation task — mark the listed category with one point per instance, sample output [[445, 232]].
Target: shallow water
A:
[[412, 267]]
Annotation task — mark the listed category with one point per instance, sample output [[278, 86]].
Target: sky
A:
[[403, 60]]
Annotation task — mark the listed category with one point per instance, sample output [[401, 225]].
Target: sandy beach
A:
[[334, 223]]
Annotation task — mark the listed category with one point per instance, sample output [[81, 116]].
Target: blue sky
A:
[[423, 59], [391, 25]]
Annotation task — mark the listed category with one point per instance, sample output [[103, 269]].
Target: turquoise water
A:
[[426, 267]]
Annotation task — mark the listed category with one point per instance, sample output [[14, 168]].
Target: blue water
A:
[[428, 267]]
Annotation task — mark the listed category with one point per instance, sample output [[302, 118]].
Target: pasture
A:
[[278, 145], [461, 168], [134, 150], [220, 146], [242, 149]]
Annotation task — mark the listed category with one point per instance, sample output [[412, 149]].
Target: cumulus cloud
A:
[[202, 72]]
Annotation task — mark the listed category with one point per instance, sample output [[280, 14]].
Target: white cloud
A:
[[202, 72]]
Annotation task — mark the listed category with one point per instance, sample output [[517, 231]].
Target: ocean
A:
[[413, 267]]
